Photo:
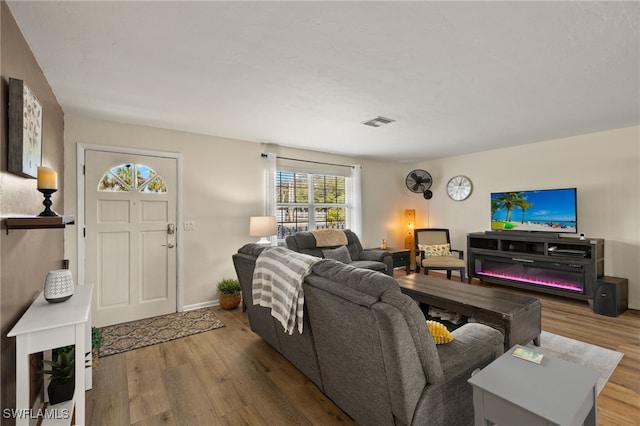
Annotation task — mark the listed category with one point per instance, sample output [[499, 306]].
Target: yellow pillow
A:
[[439, 332], [435, 249]]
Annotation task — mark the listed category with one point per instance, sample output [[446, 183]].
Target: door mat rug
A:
[[150, 331], [598, 358]]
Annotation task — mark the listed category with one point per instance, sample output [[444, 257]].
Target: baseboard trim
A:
[[201, 305]]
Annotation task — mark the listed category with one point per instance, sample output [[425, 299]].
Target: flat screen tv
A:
[[545, 210]]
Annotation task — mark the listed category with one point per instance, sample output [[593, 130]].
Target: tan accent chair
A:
[[438, 236]]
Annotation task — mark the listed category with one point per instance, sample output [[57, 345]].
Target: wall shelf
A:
[[38, 222]]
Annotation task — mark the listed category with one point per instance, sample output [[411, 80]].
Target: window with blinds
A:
[[308, 201]]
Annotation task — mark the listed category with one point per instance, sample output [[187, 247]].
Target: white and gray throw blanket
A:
[[277, 284]]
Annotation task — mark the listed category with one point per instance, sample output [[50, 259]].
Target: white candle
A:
[[47, 178]]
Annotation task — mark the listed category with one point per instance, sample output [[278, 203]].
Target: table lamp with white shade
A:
[[263, 227]]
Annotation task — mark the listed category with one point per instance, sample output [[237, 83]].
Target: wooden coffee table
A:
[[516, 316]]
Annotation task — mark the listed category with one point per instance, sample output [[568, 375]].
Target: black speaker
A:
[[610, 296]]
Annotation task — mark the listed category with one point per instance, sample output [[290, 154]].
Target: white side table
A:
[[511, 390], [46, 326]]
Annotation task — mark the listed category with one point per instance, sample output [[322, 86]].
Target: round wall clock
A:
[[459, 188]]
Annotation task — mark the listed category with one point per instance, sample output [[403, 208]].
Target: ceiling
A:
[[457, 77]]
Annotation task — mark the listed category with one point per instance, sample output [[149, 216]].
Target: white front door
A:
[[130, 220]]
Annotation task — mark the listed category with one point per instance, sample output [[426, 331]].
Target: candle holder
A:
[[47, 202]]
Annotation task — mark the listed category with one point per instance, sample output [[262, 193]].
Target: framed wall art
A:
[[25, 130]]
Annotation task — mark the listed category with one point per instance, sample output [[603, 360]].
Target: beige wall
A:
[[223, 187], [26, 255], [604, 167]]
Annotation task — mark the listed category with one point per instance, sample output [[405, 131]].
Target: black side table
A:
[[401, 257]]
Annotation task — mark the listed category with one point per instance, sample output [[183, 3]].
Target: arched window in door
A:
[[132, 177]]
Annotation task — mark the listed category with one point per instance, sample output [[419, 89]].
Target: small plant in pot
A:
[[96, 344], [62, 383], [230, 293]]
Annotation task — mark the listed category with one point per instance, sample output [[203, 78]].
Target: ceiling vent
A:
[[378, 121]]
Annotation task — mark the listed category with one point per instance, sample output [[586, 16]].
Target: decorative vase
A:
[[60, 392], [58, 286], [230, 301]]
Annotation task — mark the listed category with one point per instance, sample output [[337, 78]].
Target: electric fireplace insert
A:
[[557, 276], [565, 266]]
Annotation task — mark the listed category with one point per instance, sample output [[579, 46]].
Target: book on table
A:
[[528, 354]]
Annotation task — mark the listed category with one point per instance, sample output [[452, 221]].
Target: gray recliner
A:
[[374, 259], [366, 346]]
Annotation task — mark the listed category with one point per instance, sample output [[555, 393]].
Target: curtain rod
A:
[[309, 161]]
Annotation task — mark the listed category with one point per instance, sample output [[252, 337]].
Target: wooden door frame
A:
[[80, 217]]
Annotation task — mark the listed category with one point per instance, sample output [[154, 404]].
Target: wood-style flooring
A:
[[230, 376]]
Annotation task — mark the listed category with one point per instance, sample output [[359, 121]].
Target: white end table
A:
[[46, 326], [511, 390]]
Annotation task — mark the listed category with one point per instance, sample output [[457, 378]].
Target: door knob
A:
[[170, 245]]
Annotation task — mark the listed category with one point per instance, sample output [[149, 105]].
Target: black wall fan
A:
[[419, 181]]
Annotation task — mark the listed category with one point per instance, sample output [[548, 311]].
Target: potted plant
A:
[[230, 293], [96, 344], [62, 384]]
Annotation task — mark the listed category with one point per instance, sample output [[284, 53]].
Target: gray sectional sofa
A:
[[367, 347], [375, 259]]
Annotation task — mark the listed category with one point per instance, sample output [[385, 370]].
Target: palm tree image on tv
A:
[[508, 201], [544, 210]]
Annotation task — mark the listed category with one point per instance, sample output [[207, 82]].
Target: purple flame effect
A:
[[563, 286]]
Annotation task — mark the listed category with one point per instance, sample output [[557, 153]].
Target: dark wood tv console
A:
[[564, 266]]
